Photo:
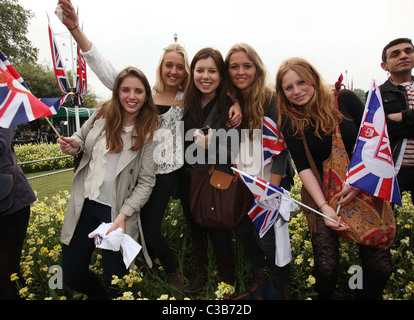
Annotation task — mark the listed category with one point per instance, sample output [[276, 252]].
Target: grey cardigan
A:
[[135, 178]]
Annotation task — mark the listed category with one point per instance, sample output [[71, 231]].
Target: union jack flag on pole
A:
[[371, 168], [17, 104], [58, 64], [81, 79], [273, 142], [264, 210]]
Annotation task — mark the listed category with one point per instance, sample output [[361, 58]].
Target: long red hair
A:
[[323, 113]]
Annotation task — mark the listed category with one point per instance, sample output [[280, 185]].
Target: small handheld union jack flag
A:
[[264, 210], [17, 104]]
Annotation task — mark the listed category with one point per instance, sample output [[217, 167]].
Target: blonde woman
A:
[[250, 85]]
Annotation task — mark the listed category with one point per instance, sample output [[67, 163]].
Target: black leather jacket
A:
[[395, 100]]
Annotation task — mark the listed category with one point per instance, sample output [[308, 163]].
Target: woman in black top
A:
[[307, 110], [206, 105]]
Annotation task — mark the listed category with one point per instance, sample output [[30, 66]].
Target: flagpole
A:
[[51, 125], [298, 202]]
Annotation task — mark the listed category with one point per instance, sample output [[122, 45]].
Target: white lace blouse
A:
[[168, 155]]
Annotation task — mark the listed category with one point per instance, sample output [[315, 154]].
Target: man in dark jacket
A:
[[398, 99]]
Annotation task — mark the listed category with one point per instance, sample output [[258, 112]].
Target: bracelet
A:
[[74, 27], [320, 208]]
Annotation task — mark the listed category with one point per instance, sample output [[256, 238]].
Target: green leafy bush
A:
[[31, 152]]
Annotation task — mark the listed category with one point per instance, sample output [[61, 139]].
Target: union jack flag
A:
[[371, 168], [58, 64], [17, 104], [273, 142], [54, 103], [81, 79], [264, 210]]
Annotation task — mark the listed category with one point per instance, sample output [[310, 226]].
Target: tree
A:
[[14, 21], [360, 94]]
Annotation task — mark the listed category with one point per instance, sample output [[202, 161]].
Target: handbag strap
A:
[[311, 162]]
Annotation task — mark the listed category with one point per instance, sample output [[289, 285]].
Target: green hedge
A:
[[30, 152]]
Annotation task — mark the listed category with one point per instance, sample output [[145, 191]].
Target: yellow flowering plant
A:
[[42, 250]]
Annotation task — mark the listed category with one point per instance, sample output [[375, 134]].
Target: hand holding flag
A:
[[262, 191]]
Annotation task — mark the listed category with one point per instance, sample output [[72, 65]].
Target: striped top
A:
[[408, 159]]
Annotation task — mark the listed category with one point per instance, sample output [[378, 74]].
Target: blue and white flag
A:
[[371, 168]]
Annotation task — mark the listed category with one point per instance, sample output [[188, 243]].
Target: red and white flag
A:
[[371, 168]]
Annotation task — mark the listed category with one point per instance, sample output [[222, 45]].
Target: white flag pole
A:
[[298, 202]]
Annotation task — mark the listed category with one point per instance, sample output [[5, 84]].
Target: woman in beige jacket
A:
[[114, 180]]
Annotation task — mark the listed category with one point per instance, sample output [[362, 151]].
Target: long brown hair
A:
[[146, 121], [260, 93], [323, 114], [192, 96]]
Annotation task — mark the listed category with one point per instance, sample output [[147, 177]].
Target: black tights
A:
[[14, 227], [10, 263], [376, 265]]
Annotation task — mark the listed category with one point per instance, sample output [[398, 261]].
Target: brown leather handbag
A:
[[218, 200]]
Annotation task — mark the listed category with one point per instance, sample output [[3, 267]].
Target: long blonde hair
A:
[[260, 93], [159, 84], [146, 121], [323, 114]]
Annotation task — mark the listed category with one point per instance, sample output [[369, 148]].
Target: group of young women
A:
[[118, 179]]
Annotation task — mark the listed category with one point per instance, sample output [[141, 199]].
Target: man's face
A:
[[400, 59]]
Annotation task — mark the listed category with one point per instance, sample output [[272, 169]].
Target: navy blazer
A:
[[24, 193]]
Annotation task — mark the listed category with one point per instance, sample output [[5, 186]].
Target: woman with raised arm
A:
[[171, 78]]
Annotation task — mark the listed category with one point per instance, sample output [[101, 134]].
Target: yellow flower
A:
[[14, 277], [299, 259], [310, 281], [24, 292]]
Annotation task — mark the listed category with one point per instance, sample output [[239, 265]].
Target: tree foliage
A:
[[14, 21]]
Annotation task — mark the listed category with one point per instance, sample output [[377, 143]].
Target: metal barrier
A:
[[48, 184]]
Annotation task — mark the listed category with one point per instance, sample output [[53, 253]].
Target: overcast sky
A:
[[335, 36]]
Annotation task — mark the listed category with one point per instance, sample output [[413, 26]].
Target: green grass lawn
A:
[[48, 186]]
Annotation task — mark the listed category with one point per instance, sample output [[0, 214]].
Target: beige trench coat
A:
[[135, 178]]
